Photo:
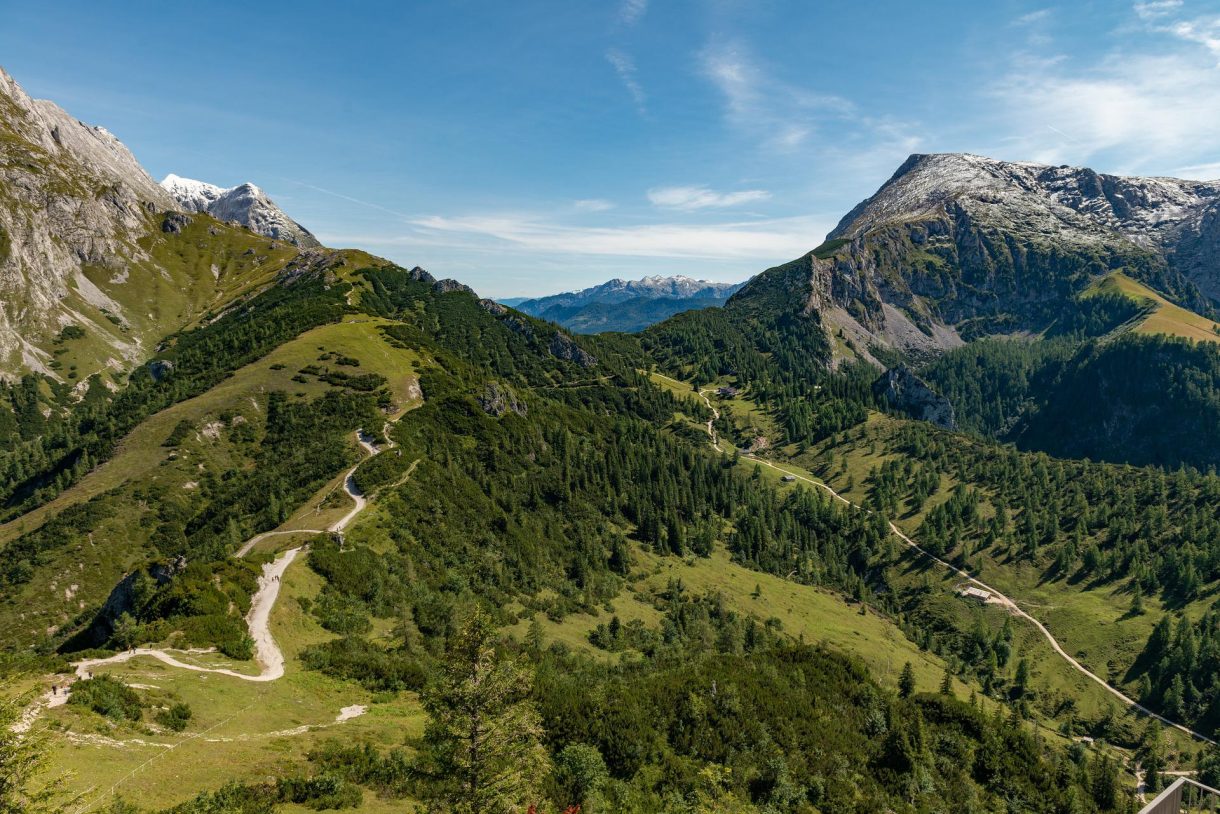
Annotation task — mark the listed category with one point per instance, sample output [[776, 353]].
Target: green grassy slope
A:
[[1161, 316]]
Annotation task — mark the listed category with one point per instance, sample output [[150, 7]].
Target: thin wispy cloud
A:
[[593, 205], [754, 241], [700, 197], [1033, 17], [782, 116], [631, 11], [1156, 9], [1148, 109], [624, 66]]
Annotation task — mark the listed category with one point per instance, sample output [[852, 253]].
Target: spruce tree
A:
[[482, 748], [906, 681]]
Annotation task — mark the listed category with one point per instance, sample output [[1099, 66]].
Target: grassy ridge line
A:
[[1164, 317], [140, 452], [1010, 605]]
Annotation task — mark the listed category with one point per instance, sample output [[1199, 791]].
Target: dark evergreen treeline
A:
[[1140, 399], [1179, 670]]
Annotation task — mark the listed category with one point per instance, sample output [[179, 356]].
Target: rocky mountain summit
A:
[[956, 246], [244, 204], [71, 196]]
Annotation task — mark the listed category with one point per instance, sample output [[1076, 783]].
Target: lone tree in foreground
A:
[[22, 761], [482, 748]]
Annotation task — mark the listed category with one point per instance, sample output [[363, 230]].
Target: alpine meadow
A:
[[619, 508]]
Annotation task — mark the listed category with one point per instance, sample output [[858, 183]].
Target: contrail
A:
[[346, 197]]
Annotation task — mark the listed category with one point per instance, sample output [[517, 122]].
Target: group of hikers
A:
[[55, 687]]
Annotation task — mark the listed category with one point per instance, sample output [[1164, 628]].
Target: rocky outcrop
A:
[[121, 600], [494, 308], [420, 276], [499, 399], [160, 368], [174, 223], [450, 286], [564, 347], [904, 391], [245, 204]]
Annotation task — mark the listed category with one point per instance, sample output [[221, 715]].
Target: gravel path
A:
[[999, 598]]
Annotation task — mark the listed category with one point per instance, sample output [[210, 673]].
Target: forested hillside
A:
[[535, 477]]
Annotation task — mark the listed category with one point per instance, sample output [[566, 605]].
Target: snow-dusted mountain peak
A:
[[244, 203], [1075, 204]]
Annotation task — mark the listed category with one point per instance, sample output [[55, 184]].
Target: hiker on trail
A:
[[54, 689]]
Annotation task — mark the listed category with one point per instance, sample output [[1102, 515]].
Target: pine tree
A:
[[946, 682], [482, 748], [1021, 682], [906, 681], [1137, 603]]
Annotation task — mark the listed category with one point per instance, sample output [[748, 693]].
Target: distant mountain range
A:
[[626, 305]]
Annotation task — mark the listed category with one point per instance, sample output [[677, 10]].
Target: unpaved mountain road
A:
[[267, 654], [999, 598]]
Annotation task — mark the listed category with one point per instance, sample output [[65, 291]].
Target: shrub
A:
[[359, 659], [175, 718], [319, 793], [107, 696]]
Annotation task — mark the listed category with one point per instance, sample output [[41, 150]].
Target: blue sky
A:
[[530, 147]]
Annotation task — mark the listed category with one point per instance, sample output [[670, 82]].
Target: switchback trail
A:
[[998, 597], [267, 653]]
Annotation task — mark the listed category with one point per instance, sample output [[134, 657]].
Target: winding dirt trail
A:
[[999, 598], [267, 654]]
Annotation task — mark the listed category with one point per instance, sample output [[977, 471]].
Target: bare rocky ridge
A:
[[88, 239], [244, 204], [71, 195]]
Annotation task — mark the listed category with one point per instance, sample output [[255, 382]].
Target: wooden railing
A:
[[1184, 795]]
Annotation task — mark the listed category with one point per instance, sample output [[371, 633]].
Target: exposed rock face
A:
[[420, 276], [494, 308], [244, 204], [160, 368], [450, 286], [564, 347], [120, 601], [905, 391], [174, 223], [958, 246], [71, 197], [87, 239], [499, 399]]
